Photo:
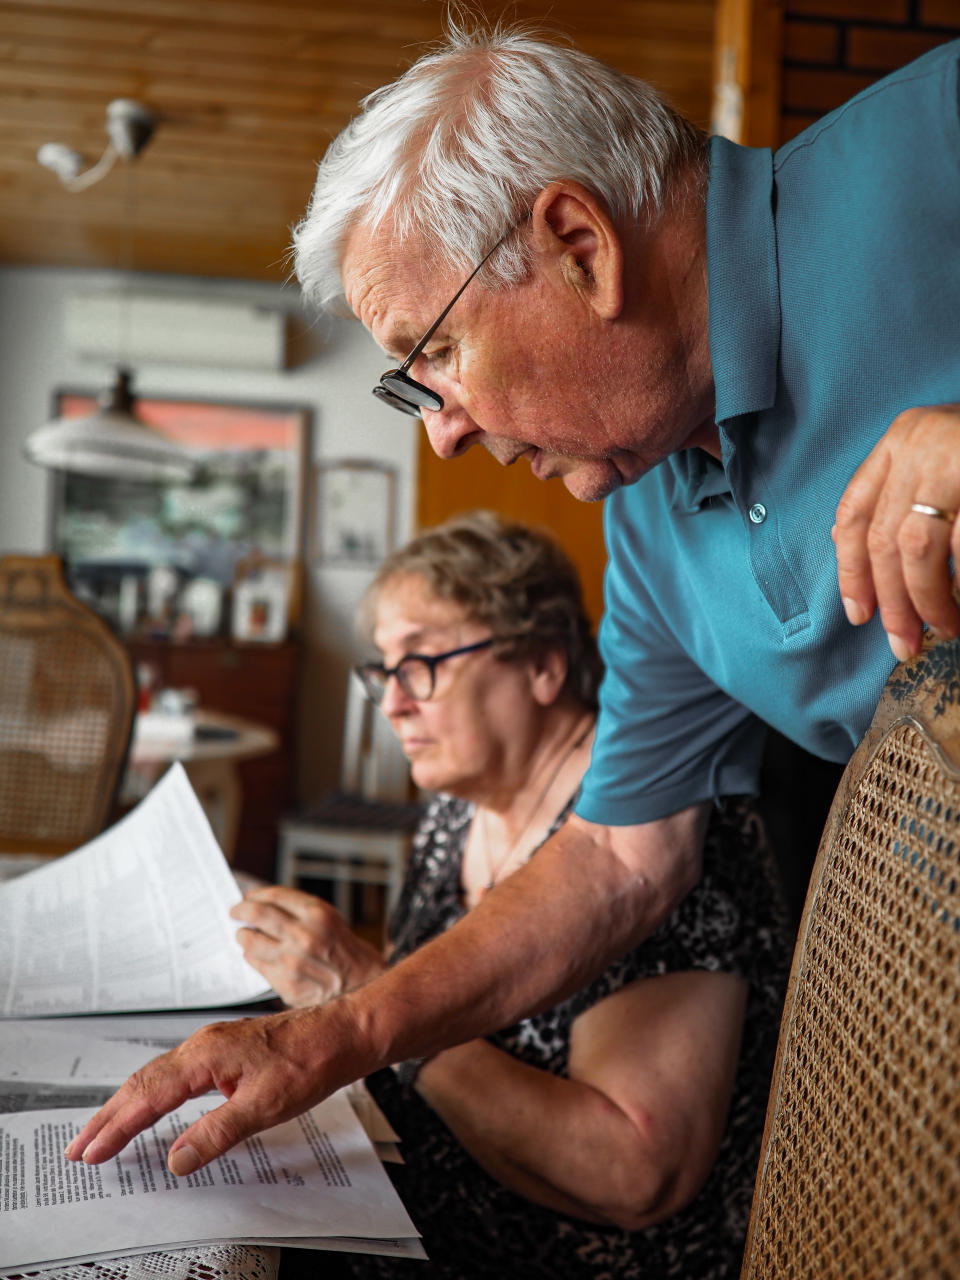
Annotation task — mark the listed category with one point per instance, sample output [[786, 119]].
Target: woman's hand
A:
[[302, 946]]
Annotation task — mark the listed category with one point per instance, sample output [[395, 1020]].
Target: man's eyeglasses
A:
[[416, 673], [396, 388]]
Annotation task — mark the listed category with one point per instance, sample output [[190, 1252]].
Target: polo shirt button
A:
[[758, 513]]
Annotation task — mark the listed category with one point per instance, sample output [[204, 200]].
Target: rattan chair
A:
[[859, 1174], [67, 701]]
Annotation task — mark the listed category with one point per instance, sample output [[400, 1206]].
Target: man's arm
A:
[[589, 895], [890, 556]]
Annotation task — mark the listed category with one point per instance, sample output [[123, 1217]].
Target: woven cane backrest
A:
[[860, 1171], [66, 711]]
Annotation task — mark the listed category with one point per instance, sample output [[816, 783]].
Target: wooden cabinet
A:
[[257, 682]]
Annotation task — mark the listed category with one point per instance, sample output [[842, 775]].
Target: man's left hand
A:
[[890, 555]]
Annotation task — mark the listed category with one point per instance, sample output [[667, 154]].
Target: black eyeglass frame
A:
[[396, 388], [376, 690]]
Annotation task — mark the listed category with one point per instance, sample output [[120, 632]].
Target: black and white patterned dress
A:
[[476, 1229]]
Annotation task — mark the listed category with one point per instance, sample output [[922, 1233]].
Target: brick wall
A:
[[835, 48]]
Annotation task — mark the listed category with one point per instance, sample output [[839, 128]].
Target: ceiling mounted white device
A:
[[110, 442], [130, 126]]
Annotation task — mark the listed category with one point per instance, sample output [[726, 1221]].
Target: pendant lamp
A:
[[112, 441]]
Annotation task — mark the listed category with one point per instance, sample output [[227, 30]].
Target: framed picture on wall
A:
[[266, 598], [260, 606], [353, 512], [245, 499]]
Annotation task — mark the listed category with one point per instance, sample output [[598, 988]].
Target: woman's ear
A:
[[573, 229], [548, 673]]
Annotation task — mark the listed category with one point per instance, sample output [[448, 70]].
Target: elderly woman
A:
[[617, 1133]]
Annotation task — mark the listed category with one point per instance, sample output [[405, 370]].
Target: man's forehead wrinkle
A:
[[385, 319], [391, 297], [366, 297]]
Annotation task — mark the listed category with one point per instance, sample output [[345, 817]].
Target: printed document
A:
[[311, 1182], [75, 1054], [135, 920]]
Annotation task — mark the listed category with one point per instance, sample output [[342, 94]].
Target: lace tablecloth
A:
[[211, 1262]]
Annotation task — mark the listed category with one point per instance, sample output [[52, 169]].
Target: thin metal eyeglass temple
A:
[[446, 310]]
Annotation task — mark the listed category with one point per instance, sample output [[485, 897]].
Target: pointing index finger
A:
[[148, 1095]]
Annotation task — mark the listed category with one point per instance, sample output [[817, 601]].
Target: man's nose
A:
[[450, 432]]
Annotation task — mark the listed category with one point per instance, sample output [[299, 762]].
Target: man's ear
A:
[[573, 227]]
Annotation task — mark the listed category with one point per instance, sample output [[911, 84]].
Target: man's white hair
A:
[[456, 151]]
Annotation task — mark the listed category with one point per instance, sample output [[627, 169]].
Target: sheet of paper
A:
[[136, 919], [378, 1127], [398, 1248], [312, 1178], [158, 1031], [51, 1056], [106, 1049], [31, 1095], [411, 1248]]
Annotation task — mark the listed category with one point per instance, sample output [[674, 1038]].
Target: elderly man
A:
[[742, 351]]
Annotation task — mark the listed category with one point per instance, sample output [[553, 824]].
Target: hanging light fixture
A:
[[111, 441]]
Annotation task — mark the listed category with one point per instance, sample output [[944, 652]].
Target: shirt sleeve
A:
[[667, 736]]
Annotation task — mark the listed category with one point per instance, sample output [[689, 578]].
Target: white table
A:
[[210, 759]]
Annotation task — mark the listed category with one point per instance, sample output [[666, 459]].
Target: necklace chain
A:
[[494, 871]]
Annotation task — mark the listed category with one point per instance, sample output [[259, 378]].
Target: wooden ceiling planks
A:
[[249, 93]]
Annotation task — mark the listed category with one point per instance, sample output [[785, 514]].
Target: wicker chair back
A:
[[67, 702], [859, 1174]]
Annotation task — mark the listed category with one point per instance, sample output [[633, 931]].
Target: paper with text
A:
[[136, 919], [313, 1177], [45, 1055], [77, 1051]]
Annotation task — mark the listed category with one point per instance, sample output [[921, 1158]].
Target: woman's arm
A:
[[630, 1137]]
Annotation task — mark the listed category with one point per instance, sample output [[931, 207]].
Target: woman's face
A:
[[474, 736]]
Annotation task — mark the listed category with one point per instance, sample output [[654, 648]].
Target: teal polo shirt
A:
[[834, 293]]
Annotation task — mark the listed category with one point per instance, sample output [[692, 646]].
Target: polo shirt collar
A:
[[742, 278], [693, 477]]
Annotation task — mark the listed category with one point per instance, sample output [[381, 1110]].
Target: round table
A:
[[210, 759]]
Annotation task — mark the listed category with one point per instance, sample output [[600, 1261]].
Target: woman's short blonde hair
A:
[[513, 578]]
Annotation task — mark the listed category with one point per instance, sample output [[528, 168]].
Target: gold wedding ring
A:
[[938, 513]]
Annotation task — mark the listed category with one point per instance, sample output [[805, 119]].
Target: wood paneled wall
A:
[[475, 480]]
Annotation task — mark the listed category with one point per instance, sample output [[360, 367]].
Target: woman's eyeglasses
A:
[[396, 388], [416, 673]]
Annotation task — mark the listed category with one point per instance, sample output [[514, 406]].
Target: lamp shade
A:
[[110, 442]]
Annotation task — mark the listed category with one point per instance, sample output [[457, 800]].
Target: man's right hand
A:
[[269, 1070]]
